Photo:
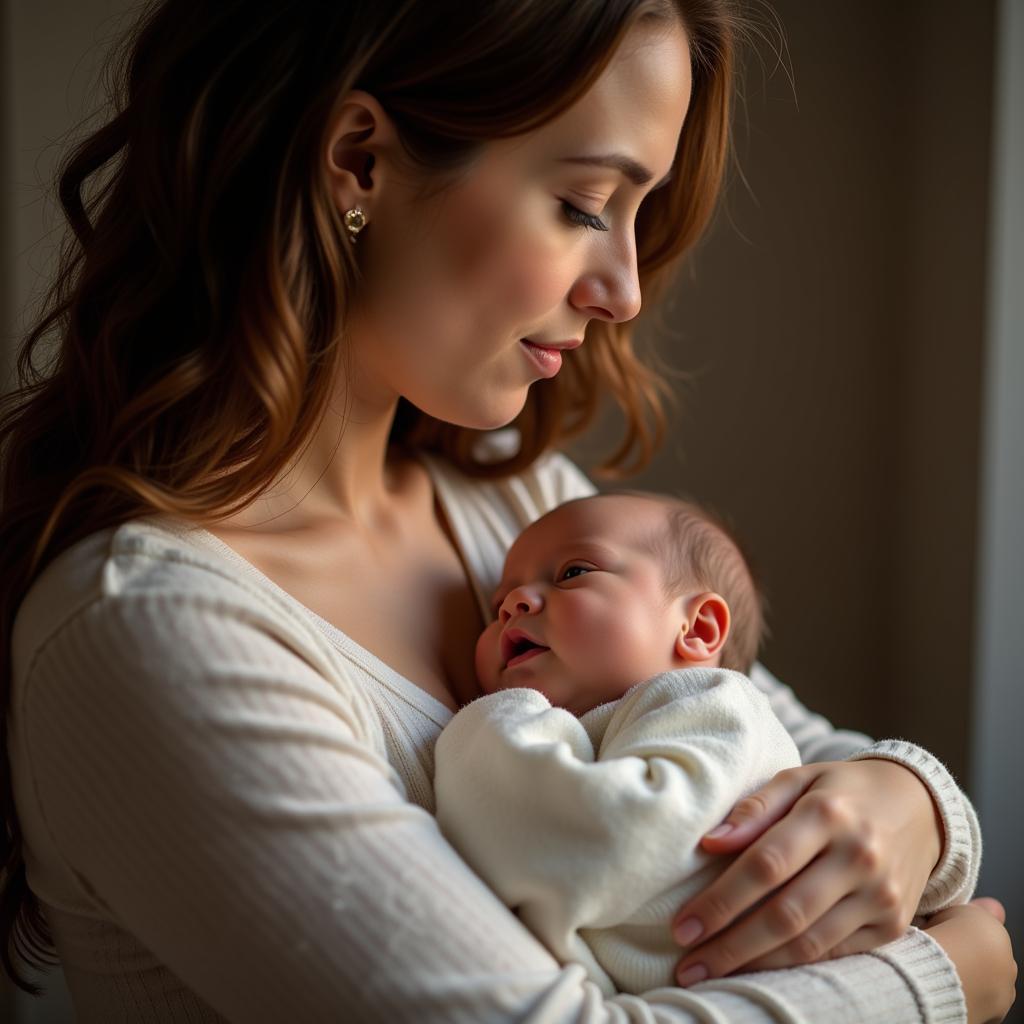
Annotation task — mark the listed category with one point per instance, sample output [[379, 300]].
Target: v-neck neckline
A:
[[365, 658]]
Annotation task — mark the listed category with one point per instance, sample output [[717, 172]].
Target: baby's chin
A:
[[503, 681], [497, 685]]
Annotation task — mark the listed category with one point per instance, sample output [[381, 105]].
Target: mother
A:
[[251, 521]]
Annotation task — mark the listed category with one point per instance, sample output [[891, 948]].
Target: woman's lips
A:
[[547, 360]]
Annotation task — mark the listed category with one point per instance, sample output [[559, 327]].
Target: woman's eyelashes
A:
[[584, 220]]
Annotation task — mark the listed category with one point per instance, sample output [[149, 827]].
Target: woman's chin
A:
[[490, 417]]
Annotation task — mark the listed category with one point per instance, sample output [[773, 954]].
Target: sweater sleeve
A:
[[953, 879], [218, 797]]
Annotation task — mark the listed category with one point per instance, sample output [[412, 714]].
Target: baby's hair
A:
[[697, 547]]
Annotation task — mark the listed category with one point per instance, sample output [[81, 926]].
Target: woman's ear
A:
[[361, 140], [704, 630]]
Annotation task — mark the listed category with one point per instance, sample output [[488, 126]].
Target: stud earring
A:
[[355, 221]]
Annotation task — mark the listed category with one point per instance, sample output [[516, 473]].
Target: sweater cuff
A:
[[929, 974], [909, 981], [953, 879]]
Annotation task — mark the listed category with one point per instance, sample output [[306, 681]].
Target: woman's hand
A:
[[974, 938], [835, 858]]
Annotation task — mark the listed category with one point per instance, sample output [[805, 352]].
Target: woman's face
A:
[[455, 284]]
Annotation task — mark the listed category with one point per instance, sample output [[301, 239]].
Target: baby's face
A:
[[582, 614]]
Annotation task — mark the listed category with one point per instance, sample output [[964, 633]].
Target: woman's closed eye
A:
[[584, 220]]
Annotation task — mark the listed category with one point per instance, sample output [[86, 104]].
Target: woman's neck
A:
[[344, 472]]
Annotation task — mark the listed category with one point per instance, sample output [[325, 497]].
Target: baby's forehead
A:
[[624, 521]]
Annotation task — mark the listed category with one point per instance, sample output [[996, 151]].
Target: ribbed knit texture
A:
[[590, 828], [956, 874], [223, 801]]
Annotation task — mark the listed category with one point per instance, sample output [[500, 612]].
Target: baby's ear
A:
[[704, 630]]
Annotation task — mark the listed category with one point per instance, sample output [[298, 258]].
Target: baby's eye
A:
[[571, 571]]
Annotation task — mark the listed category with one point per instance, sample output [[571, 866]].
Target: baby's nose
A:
[[524, 600]]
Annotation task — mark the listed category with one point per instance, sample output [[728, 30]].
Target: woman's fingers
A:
[[766, 865], [842, 924], [793, 926], [863, 940], [759, 871], [820, 873], [758, 811], [841, 931], [993, 906]]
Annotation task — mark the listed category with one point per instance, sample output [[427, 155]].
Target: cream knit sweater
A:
[[588, 828], [226, 806]]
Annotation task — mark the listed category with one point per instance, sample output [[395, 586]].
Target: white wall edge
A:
[[997, 747]]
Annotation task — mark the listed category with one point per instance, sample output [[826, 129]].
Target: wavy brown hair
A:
[[187, 347]]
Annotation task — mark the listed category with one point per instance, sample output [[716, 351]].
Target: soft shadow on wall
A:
[[832, 330]]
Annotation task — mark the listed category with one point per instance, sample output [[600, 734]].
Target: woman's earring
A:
[[355, 221]]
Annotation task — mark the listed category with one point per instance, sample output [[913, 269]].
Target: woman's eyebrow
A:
[[635, 172]]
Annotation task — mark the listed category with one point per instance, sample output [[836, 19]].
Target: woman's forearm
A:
[[292, 879], [955, 875]]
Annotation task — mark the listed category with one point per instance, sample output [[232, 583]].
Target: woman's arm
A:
[[954, 876], [837, 857], [975, 939], [216, 797], [814, 735], [589, 828], [904, 796]]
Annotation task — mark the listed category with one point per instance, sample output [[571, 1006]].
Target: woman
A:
[[251, 502]]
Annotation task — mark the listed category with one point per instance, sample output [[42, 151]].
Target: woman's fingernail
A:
[[719, 830], [688, 931], [692, 974]]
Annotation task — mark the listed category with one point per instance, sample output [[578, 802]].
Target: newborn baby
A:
[[616, 731]]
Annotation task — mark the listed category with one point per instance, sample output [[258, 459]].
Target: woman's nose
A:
[[525, 600], [609, 289]]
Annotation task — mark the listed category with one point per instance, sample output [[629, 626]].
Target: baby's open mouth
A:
[[517, 647]]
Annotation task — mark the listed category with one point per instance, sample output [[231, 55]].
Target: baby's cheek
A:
[[591, 632], [487, 659]]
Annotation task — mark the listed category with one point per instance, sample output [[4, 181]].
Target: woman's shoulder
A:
[[140, 570], [151, 614]]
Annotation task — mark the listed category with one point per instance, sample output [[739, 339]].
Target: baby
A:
[[577, 794]]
